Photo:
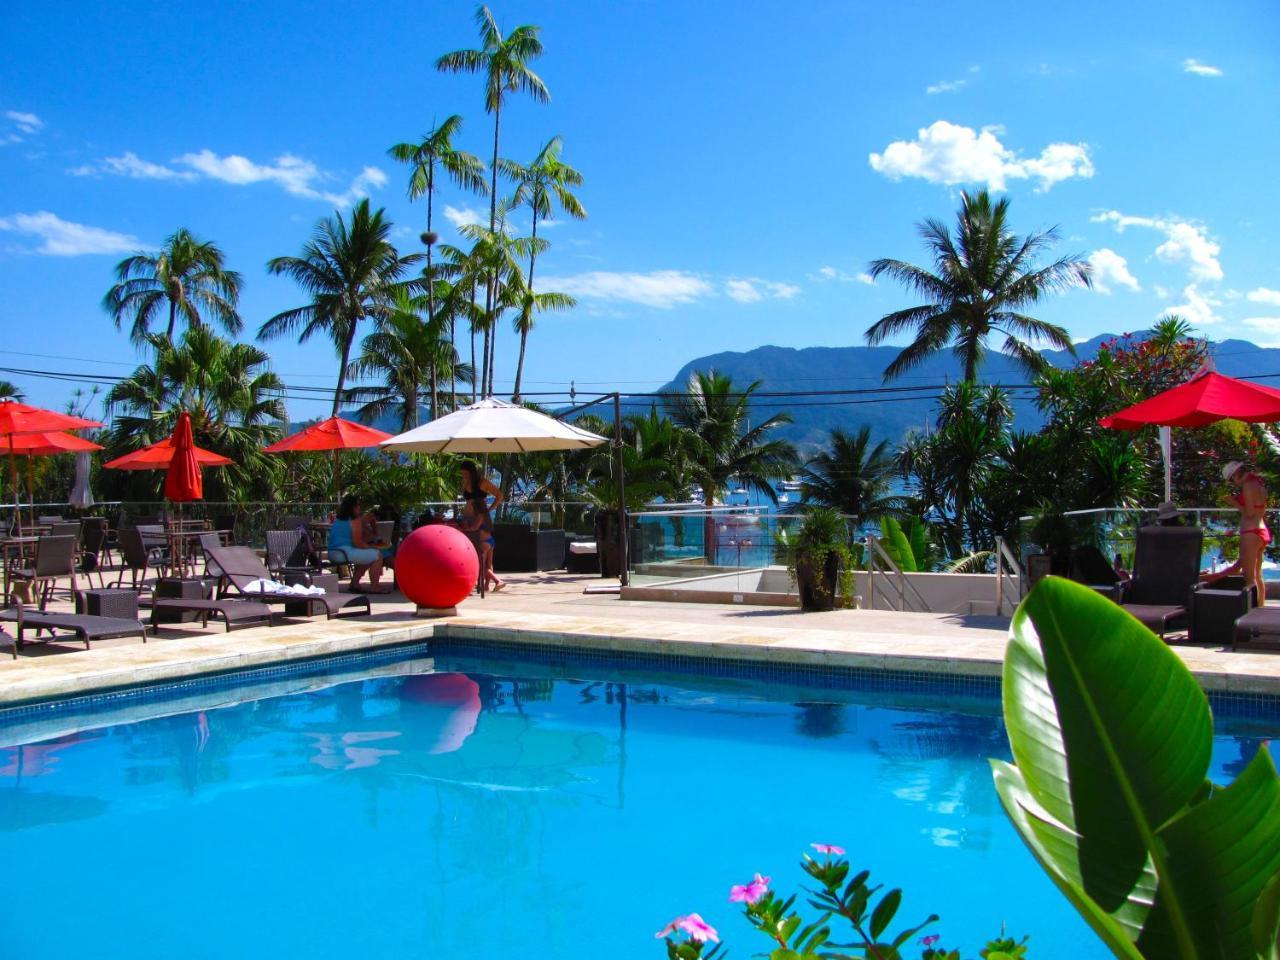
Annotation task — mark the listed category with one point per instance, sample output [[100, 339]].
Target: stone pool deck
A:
[[553, 609]]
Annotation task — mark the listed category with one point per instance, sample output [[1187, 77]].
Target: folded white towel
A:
[[282, 589]]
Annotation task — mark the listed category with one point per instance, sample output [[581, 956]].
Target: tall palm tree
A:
[[724, 445], [186, 275], [408, 355], [234, 399], [504, 62], [351, 271], [436, 151], [538, 183], [983, 277], [854, 477], [11, 391]]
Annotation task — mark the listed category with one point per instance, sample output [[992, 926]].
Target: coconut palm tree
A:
[[983, 277], [538, 183], [854, 477], [409, 355], [11, 391], [234, 399], [723, 445], [187, 275], [351, 271], [504, 62]]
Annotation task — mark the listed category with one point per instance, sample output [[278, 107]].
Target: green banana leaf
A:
[[897, 545], [1111, 737], [918, 537]]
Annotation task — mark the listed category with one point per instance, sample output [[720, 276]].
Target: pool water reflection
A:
[[499, 809]]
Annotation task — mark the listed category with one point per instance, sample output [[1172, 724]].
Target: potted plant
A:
[[819, 560]]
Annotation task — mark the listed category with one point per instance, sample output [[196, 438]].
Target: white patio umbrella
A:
[[493, 426]]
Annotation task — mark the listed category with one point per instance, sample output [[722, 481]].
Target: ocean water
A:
[[505, 808]]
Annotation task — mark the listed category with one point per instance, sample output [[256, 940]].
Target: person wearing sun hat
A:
[[1251, 498]]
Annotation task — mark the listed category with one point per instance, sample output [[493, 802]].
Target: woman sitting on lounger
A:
[[347, 544]]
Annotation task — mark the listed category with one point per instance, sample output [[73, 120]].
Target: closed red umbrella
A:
[[333, 434], [1199, 402], [183, 481]]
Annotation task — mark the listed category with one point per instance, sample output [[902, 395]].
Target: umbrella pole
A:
[[31, 489], [17, 496], [337, 479], [623, 573], [1166, 448]]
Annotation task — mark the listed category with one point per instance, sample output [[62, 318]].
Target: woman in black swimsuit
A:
[[478, 521]]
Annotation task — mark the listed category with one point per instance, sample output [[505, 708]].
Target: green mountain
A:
[[892, 415]]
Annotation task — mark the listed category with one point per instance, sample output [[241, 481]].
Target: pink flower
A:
[[698, 929], [749, 892], [829, 849], [930, 940], [693, 925]]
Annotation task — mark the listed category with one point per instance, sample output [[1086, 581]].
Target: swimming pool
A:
[[510, 803]]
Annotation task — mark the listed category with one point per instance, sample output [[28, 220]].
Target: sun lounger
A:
[[81, 625], [1166, 571], [241, 567], [233, 613]]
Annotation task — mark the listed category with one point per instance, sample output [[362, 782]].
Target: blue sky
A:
[[742, 163]]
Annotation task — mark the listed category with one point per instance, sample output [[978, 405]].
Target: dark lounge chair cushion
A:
[[84, 626], [233, 612]]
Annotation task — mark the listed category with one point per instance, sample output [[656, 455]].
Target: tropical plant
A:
[[907, 545], [544, 180], [456, 300], [394, 484], [187, 275], [436, 151], [351, 271], [982, 278], [868, 913], [233, 397], [10, 391], [722, 445], [818, 550], [853, 476], [504, 62], [1111, 737], [410, 355]]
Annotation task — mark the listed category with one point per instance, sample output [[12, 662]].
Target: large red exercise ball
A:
[[437, 566]]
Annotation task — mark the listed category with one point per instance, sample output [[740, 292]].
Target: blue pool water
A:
[[501, 807]]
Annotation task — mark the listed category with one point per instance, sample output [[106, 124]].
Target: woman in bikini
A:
[[477, 519], [1251, 498]]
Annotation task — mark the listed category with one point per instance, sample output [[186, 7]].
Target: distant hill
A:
[[844, 368]]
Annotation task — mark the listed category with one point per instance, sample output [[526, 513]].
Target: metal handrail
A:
[[879, 562], [1007, 568]]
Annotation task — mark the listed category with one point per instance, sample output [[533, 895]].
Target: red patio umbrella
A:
[[159, 455], [47, 444], [1199, 402], [333, 434], [19, 418]]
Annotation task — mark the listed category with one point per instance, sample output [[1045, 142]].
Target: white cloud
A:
[[1264, 295], [754, 289], [831, 273], [950, 154], [945, 86], [1191, 65], [62, 238], [1199, 308], [293, 174], [660, 288], [26, 122], [1111, 270], [1161, 292], [1184, 242], [1268, 326], [462, 216]]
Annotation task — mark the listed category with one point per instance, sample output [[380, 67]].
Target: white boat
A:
[[790, 486]]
